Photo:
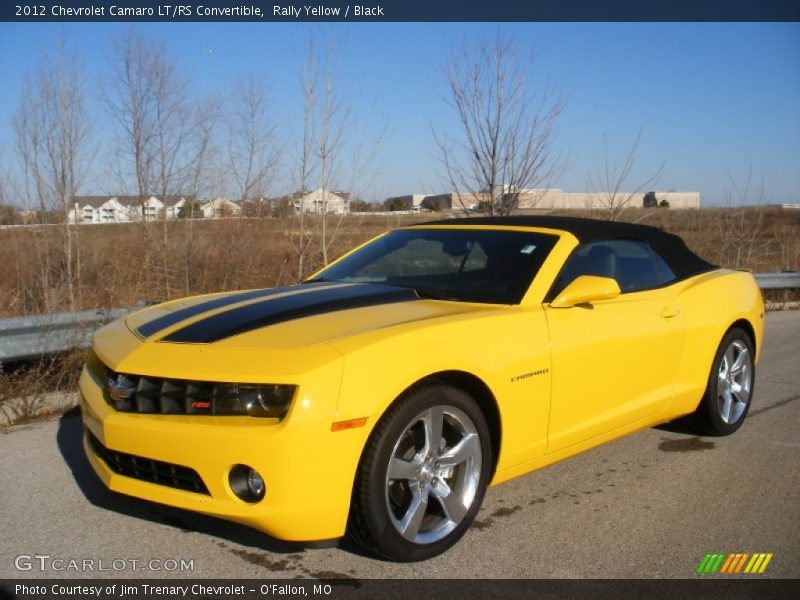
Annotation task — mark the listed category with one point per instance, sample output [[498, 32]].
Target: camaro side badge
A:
[[531, 374]]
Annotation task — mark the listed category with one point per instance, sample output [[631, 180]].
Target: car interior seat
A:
[[601, 261]]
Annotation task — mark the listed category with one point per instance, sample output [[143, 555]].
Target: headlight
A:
[[154, 395], [253, 400]]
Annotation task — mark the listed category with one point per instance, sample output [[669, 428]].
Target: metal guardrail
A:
[[783, 280], [27, 337], [38, 335]]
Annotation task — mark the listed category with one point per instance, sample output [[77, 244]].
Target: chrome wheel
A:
[[433, 474], [735, 379]]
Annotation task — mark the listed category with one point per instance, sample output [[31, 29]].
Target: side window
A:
[[665, 272], [634, 265]]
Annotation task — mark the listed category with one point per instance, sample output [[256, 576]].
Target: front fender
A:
[[506, 349]]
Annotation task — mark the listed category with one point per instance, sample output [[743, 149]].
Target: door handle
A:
[[669, 311]]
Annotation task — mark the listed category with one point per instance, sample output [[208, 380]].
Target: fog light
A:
[[255, 484], [246, 483]]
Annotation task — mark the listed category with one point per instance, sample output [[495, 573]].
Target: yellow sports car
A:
[[382, 396]]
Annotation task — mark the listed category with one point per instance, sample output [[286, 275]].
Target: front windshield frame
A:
[[498, 266]]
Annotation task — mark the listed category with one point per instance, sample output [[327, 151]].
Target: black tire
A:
[[709, 417], [379, 501]]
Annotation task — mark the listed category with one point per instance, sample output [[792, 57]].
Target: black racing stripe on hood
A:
[[287, 308], [164, 322]]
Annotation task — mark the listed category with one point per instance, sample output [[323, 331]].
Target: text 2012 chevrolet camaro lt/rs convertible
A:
[[382, 396]]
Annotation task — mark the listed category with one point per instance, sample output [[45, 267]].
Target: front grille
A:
[[155, 395], [158, 395], [147, 469]]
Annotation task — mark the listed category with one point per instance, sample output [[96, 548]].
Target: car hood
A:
[[289, 317]]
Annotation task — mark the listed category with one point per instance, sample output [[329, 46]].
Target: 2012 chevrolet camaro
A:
[[382, 396]]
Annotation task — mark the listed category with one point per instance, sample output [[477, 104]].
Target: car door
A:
[[613, 361]]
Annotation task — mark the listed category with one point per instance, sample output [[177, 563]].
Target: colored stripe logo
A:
[[734, 563], [173, 318], [288, 307]]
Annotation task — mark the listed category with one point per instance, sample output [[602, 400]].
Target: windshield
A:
[[471, 265]]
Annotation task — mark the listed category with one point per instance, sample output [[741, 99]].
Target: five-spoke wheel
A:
[[423, 475], [730, 386], [735, 379], [433, 474]]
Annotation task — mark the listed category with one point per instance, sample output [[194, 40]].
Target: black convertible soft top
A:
[[672, 248]]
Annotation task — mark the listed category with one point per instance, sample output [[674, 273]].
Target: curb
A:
[[778, 306], [19, 410]]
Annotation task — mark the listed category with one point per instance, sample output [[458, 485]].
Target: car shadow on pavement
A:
[[70, 443], [682, 426]]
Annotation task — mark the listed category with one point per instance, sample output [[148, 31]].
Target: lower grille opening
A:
[[147, 469]]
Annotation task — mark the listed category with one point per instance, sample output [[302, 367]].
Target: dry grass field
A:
[[122, 264]]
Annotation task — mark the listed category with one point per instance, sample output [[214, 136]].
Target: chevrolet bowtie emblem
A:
[[118, 388]]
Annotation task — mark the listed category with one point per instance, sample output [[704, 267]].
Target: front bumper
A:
[[308, 469]]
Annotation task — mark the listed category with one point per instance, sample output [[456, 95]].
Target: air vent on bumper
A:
[[146, 469]]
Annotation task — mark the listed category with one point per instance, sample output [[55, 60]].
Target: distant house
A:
[[321, 201], [154, 208], [123, 209], [96, 209], [220, 208]]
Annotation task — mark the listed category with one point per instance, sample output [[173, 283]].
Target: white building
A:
[[123, 209], [97, 209], [556, 199], [220, 208], [409, 201], [322, 201], [559, 199]]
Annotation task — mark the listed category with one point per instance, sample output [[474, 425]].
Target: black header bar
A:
[[346, 588], [377, 11]]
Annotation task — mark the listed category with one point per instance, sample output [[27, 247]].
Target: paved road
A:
[[650, 505]]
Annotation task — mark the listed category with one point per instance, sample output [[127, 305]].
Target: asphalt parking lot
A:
[[650, 505]]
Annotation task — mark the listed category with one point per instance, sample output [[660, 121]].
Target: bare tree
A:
[[3, 180], [305, 163], [742, 238], [504, 145], [28, 144], [128, 96], [252, 154], [204, 154], [337, 152], [252, 151], [7, 218], [608, 180], [334, 118], [52, 133], [8, 212], [156, 147]]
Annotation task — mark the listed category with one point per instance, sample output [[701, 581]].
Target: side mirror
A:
[[585, 289]]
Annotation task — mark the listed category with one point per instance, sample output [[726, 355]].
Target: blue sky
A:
[[712, 99]]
